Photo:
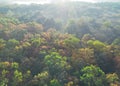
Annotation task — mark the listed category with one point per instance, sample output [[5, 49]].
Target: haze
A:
[[50, 1]]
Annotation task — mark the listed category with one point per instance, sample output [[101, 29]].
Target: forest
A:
[[66, 44]]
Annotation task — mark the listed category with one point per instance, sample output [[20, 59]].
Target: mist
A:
[[50, 1]]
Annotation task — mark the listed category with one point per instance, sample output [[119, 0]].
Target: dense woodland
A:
[[66, 44]]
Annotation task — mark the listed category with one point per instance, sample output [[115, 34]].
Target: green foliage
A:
[[116, 41], [36, 42], [9, 74], [17, 77], [93, 76], [18, 34], [55, 63], [54, 82], [5, 21], [3, 79], [43, 75], [12, 43], [41, 79], [97, 45], [15, 65], [4, 65], [52, 45], [2, 44], [72, 42]]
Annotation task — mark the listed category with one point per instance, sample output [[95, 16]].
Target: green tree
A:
[[97, 45], [10, 74], [41, 79], [116, 42], [17, 78], [56, 63], [93, 76], [3, 80], [18, 34], [71, 42], [2, 44], [54, 82], [12, 43]]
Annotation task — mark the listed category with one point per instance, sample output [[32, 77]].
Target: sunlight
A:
[[49, 1], [92, 1], [32, 1], [59, 42]]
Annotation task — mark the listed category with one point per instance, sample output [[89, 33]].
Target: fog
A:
[[50, 1]]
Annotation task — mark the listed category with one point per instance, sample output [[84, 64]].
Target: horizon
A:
[[51, 1]]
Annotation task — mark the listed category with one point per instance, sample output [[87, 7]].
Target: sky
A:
[[51, 1]]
